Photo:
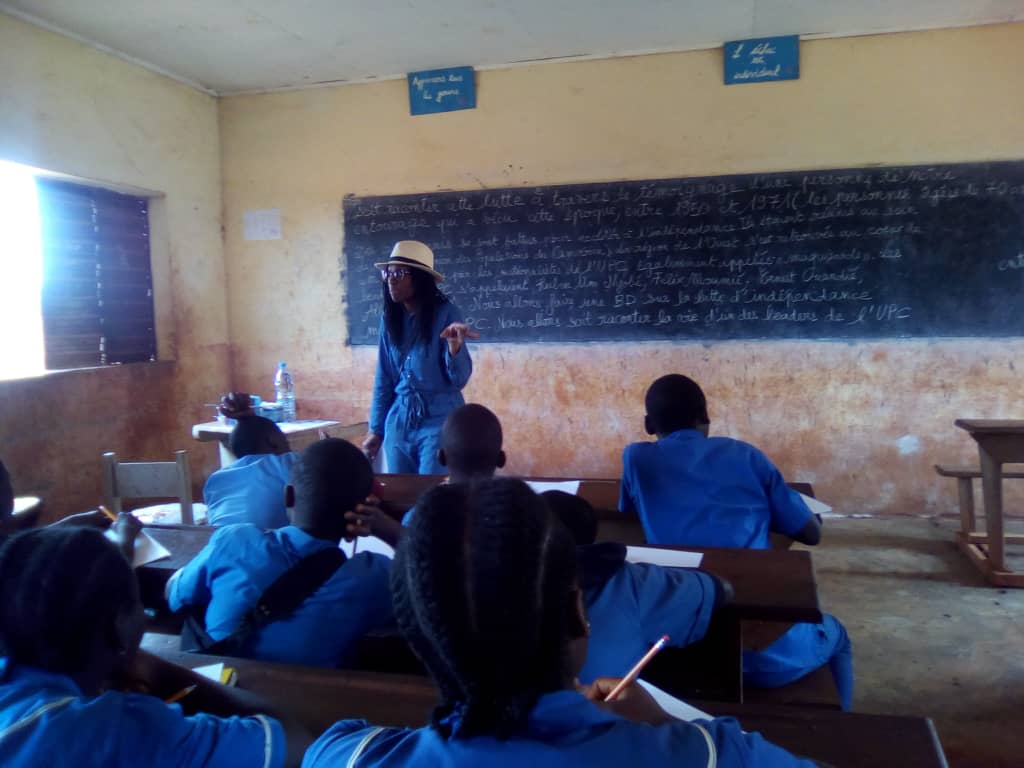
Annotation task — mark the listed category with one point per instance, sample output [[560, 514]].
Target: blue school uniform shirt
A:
[[693, 490], [636, 606], [250, 491], [424, 385], [564, 729], [241, 561], [46, 720]]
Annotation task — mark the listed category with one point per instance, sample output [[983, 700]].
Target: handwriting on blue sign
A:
[[763, 59], [441, 90]]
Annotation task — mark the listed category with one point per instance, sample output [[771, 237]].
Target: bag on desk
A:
[[280, 599]]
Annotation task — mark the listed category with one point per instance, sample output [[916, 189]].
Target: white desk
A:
[[304, 431]]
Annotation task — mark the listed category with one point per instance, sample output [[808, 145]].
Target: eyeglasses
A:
[[394, 274]]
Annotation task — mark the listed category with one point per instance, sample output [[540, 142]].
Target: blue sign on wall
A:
[[441, 90], [766, 58]]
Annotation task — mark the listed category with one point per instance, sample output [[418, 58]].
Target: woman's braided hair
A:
[[481, 585]]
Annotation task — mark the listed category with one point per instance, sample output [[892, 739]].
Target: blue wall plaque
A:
[[441, 90], [766, 58]]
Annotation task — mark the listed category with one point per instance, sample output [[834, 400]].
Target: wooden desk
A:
[[298, 432], [1000, 441], [320, 697]]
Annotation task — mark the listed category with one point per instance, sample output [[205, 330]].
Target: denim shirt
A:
[[427, 381]]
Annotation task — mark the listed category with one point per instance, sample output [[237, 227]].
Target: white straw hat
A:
[[412, 253]]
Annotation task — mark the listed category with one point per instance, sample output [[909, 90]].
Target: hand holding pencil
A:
[[624, 697]]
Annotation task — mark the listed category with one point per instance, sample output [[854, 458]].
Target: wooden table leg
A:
[[992, 489], [968, 525]]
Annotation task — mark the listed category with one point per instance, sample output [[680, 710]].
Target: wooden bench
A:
[[965, 477]]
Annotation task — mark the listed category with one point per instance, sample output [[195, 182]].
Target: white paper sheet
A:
[[262, 224], [213, 671], [367, 544], [677, 708], [147, 549], [817, 507], [668, 557], [567, 486]]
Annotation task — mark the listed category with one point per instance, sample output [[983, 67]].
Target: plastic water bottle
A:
[[284, 391]]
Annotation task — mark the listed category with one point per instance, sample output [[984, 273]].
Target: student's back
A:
[[240, 562], [689, 489], [250, 491], [485, 592]]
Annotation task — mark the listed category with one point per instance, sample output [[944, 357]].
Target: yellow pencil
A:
[[637, 668], [180, 694], [108, 513]]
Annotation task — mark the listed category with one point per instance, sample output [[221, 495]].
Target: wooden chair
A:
[[152, 479]]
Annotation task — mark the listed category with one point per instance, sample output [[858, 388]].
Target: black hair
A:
[[254, 435], [63, 591], [429, 297], [482, 583], [675, 402], [471, 440], [6, 493], [575, 513], [329, 478]]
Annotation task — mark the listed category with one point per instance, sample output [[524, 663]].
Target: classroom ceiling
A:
[[228, 46]]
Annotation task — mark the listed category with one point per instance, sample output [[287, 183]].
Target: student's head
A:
[[254, 435], [575, 514], [70, 603], [329, 479], [471, 443], [485, 592], [675, 402], [6, 497]]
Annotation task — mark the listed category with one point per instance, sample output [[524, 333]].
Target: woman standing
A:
[[422, 362]]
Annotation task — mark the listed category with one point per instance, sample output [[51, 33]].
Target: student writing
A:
[[70, 625], [241, 562], [694, 490], [485, 592]]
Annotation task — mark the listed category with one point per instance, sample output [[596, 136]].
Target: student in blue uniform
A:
[[70, 625], [422, 362], [693, 490], [252, 489], [241, 561], [631, 605], [485, 592]]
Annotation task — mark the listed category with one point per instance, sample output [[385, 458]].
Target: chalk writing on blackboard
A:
[[763, 59], [837, 254]]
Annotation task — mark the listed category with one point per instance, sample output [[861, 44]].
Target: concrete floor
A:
[[929, 638]]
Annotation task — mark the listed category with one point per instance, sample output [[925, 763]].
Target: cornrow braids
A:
[[63, 589], [481, 585]]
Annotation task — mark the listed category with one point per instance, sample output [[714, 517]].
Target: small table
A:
[[1000, 441], [215, 431]]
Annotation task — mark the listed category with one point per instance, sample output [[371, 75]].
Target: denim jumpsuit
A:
[[414, 391]]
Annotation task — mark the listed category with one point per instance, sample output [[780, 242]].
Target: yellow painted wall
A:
[[65, 107], [829, 413]]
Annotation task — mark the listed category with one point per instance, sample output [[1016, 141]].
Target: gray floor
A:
[[929, 638]]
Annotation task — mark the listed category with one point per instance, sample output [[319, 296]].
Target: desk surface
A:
[[991, 426], [771, 585], [214, 430], [320, 697]]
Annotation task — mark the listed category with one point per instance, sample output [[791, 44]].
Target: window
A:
[[95, 295]]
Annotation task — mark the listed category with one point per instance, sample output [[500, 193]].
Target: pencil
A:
[[180, 694], [108, 513], [637, 668]]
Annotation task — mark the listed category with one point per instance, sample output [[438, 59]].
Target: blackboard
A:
[[884, 252]]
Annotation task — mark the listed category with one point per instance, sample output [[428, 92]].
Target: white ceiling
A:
[[228, 46]]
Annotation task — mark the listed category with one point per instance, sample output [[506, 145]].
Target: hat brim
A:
[[438, 277]]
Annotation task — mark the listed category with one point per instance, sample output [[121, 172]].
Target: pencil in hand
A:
[[637, 669]]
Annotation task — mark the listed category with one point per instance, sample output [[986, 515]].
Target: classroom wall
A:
[[864, 421], [68, 108]]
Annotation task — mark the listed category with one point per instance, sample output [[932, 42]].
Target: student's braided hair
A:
[[62, 589], [481, 584]]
